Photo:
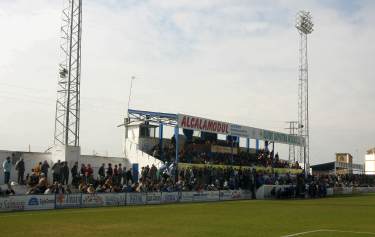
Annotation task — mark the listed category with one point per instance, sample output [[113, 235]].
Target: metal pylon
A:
[[68, 90], [305, 26]]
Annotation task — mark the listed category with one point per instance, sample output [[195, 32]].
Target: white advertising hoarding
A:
[[40, 202], [153, 198], [218, 127], [68, 200], [12, 203], [136, 198], [170, 197], [202, 124]]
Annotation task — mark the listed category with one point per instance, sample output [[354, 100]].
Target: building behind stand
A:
[[341, 166]]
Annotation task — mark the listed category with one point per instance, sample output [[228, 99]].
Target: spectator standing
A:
[[38, 168], [101, 172], [83, 170], [20, 167], [120, 174], [253, 184], [65, 173], [123, 175], [115, 175], [7, 166], [129, 176], [109, 170], [74, 172], [56, 171], [89, 170], [44, 168]]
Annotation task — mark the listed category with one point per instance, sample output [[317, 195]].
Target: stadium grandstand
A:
[[200, 143]]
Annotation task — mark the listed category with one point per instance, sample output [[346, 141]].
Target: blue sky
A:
[[224, 59]]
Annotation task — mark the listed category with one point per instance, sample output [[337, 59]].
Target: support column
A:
[[176, 136], [304, 161], [248, 145], [257, 144], [161, 141], [273, 154]]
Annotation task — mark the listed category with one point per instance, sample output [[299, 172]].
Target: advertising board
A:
[[170, 197], [114, 199], [68, 200], [40, 202], [153, 198], [12, 203], [92, 200], [186, 196], [206, 196], [202, 124], [135, 198], [234, 194]]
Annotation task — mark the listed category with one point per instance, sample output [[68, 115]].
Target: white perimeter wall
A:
[[370, 164], [33, 158]]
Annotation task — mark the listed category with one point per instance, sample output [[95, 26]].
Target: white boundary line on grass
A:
[[326, 230]]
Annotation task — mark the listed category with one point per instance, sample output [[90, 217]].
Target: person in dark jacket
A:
[[44, 168], [101, 172], [74, 172], [253, 184], [20, 167], [129, 176], [109, 170], [65, 173], [56, 171]]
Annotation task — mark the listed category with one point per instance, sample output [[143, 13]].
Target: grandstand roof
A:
[[212, 126]]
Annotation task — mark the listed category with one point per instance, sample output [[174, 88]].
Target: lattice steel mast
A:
[[68, 92], [293, 125], [305, 26]]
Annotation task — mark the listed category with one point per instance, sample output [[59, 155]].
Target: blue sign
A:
[[33, 201]]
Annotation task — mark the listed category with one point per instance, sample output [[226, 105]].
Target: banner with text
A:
[[12, 203], [68, 200], [40, 202], [218, 127], [202, 124]]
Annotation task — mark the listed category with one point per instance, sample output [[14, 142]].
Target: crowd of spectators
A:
[[200, 152], [116, 178], [262, 158], [195, 179]]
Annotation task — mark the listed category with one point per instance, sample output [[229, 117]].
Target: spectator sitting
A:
[[60, 189], [41, 187], [91, 189], [33, 179], [68, 189], [8, 192]]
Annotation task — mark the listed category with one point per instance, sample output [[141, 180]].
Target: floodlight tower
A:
[[293, 125], [304, 25], [68, 92]]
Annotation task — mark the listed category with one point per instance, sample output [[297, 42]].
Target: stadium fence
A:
[[80, 200]]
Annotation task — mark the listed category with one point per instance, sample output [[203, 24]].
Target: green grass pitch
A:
[[339, 216]]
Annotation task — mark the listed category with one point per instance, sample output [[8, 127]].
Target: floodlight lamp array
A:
[[304, 22]]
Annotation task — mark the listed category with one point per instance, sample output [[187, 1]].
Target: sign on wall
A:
[[218, 127], [12, 203], [170, 197], [68, 200], [40, 202], [135, 199], [92, 200], [202, 124], [153, 198]]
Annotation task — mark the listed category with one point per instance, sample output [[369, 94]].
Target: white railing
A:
[[79, 200]]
